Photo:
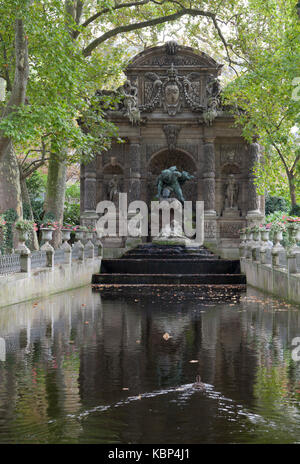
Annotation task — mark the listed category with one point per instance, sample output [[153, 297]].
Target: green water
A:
[[81, 368]]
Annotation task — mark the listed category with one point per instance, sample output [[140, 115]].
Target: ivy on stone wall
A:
[[10, 216]]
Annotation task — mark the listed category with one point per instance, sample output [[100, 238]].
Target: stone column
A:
[[89, 216], [134, 180], [134, 169], [254, 215], [210, 226]]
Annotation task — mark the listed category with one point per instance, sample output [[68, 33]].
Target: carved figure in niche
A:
[[170, 181], [113, 188], [231, 192], [129, 101]]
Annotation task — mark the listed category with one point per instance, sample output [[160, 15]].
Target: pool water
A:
[[92, 367]]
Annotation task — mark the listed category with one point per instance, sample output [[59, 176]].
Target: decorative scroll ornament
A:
[[171, 90], [171, 131], [171, 47], [128, 104], [213, 90]]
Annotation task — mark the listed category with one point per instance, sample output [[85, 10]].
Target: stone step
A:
[[168, 279], [170, 266], [168, 256]]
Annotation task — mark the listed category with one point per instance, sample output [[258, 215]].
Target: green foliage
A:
[[276, 204], [24, 225], [72, 213], [10, 217], [73, 191], [275, 217], [72, 204], [266, 91], [295, 211], [36, 185]]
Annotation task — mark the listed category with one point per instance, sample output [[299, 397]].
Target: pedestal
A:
[[171, 233]]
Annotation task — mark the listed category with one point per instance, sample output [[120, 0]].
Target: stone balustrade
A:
[[23, 260], [272, 266]]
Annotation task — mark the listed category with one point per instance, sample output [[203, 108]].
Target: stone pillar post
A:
[[89, 216], [68, 252], [210, 225], [49, 254], [254, 215]]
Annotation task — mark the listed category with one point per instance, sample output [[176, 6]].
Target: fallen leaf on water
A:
[[166, 336]]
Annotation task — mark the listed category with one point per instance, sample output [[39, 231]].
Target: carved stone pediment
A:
[[173, 53]]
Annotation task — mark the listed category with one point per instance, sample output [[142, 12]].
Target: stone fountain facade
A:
[[171, 114]]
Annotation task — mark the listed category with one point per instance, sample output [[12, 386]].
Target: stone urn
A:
[[79, 234], [242, 236], [265, 234], [22, 236], [66, 234], [278, 236], [249, 236], [298, 233], [292, 232], [47, 234], [256, 235], [88, 235]]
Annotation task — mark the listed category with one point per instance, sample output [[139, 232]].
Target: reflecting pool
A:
[[88, 367]]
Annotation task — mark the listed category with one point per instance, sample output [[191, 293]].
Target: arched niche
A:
[[164, 159], [226, 170], [110, 170]]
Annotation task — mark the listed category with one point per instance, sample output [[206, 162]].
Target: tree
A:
[[268, 50], [63, 53], [77, 46]]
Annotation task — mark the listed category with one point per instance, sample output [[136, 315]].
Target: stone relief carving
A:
[[178, 60], [210, 229], [90, 194], [171, 131], [213, 90], [171, 91], [230, 154], [129, 102], [230, 229]]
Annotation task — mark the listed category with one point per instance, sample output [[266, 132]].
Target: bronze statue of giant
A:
[[170, 181]]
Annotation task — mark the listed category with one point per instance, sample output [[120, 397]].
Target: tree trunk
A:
[[10, 186], [18, 92], [34, 243], [55, 192], [291, 179]]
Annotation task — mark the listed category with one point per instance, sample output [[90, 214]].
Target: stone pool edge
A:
[[42, 282]]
